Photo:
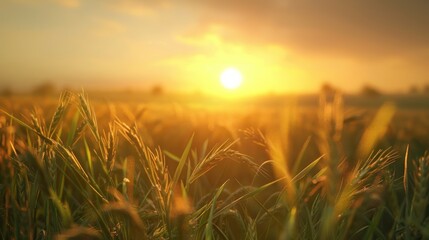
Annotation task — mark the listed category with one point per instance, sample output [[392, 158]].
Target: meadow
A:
[[132, 166]]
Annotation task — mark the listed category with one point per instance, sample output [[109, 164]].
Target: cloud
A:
[[63, 3], [136, 7], [108, 27], [360, 29], [69, 3]]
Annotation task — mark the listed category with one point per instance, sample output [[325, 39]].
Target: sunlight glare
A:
[[231, 78]]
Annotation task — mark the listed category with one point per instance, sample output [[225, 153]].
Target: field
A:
[[141, 166]]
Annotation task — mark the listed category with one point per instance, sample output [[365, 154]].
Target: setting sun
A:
[[231, 78]]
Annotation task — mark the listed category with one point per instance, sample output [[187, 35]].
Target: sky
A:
[[277, 45]]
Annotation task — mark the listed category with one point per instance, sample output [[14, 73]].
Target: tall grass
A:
[[70, 177]]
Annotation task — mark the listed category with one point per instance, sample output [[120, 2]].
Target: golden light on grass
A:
[[231, 78]]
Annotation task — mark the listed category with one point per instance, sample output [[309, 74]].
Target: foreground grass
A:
[[69, 178]]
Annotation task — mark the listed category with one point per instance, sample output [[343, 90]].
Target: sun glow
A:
[[231, 78]]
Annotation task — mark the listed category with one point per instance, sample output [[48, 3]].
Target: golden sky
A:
[[278, 45]]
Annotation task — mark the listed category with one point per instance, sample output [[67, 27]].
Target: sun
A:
[[231, 78]]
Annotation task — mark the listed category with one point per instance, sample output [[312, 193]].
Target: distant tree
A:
[[6, 92], [328, 90], [44, 89], [370, 91], [157, 90], [413, 89], [67, 89], [327, 87], [426, 89]]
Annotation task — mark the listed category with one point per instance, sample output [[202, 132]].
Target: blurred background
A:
[[278, 46]]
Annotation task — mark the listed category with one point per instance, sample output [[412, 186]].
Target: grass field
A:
[[162, 167]]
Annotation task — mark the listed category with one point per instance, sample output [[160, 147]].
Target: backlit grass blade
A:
[[304, 172], [376, 129], [182, 161], [405, 182], [300, 157]]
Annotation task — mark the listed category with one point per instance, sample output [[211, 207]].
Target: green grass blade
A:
[[72, 129], [88, 156], [373, 226], [229, 205], [209, 225]]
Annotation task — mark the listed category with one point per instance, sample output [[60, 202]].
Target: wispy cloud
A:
[[108, 27], [368, 29], [69, 3], [136, 7], [63, 3], [297, 40]]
